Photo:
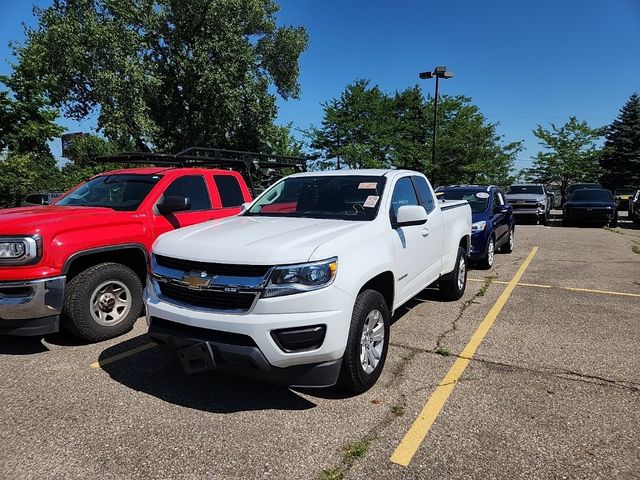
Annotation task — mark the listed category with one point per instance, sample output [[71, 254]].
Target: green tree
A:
[[26, 173], [367, 128], [164, 74], [620, 159], [26, 124], [570, 154], [281, 141]]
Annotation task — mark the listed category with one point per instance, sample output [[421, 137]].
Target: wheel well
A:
[[382, 283], [134, 258], [465, 244]]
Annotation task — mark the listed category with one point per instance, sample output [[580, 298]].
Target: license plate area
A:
[[197, 358]]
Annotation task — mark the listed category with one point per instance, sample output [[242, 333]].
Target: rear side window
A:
[[229, 190], [193, 188], [424, 193]]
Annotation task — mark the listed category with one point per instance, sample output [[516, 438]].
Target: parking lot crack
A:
[[440, 348]]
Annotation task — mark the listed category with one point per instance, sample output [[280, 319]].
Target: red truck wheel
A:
[[102, 302]]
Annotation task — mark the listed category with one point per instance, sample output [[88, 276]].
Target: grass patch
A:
[[485, 286], [398, 410], [332, 474], [443, 351], [635, 247]]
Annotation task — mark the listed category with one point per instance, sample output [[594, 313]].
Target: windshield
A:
[[591, 195], [478, 200], [121, 192], [531, 189], [353, 197]]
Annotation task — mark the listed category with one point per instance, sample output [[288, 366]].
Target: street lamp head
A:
[[447, 75], [426, 75], [440, 70]]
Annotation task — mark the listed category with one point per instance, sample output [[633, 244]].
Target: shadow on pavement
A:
[[157, 372], [21, 345]]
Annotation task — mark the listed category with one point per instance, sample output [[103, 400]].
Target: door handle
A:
[[425, 232]]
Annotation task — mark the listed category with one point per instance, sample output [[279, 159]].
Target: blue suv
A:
[[493, 221]]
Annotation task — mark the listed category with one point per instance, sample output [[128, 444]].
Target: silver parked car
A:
[[530, 200]]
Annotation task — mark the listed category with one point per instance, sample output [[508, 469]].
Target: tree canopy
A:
[[163, 74], [570, 154], [368, 128], [620, 159]]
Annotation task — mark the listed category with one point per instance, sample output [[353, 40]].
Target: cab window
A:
[[229, 190], [192, 187], [424, 193], [403, 194]]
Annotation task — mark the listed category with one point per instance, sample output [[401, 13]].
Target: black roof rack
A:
[[247, 163]]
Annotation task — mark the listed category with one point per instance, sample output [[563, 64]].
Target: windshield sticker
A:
[[367, 186], [482, 195], [371, 201]]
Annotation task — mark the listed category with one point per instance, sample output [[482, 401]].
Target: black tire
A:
[[449, 286], [77, 317], [486, 262], [614, 221], [508, 245], [353, 376]]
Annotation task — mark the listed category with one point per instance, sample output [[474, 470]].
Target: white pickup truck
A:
[[299, 289]]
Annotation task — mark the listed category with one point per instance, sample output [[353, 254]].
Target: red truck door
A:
[[195, 188]]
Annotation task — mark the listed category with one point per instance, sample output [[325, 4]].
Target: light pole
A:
[[438, 73]]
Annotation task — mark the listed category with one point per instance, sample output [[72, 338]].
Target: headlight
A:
[[542, 204], [478, 226], [20, 250], [304, 277]]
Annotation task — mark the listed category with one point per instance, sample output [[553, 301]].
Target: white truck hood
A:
[[252, 240]]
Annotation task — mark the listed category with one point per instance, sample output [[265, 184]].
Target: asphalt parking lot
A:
[[534, 373]]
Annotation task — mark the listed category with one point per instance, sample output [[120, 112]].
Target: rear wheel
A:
[[452, 285], [102, 302], [367, 344], [508, 246]]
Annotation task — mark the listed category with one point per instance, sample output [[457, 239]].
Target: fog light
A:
[[300, 338]]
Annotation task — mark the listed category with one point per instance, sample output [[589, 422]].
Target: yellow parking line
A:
[[571, 289], [125, 354], [418, 431]]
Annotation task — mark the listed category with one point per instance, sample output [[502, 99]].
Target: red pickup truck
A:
[[81, 263]]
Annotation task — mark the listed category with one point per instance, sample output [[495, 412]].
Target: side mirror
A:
[[173, 204], [244, 207], [501, 209], [408, 215]]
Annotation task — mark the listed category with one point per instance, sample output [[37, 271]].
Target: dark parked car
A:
[[623, 196], [530, 200], [493, 221], [634, 207], [590, 205], [39, 199], [580, 186]]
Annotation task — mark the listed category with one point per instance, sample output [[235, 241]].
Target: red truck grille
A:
[[214, 299]]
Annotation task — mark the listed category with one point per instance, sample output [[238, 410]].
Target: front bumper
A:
[[244, 342], [528, 212], [31, 307]]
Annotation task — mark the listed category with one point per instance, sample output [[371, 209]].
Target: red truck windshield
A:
[[344, 197], [123, 192]]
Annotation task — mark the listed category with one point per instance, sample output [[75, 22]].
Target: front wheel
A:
[[367, 343], [452, 285], [102, 302]]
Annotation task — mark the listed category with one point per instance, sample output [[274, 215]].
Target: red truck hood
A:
[[29, 220]]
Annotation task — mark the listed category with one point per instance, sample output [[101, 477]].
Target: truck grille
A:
[[226, 269], [214, 299]]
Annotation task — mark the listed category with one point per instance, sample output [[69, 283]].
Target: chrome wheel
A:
[[462, 271], [372, 341], [490, 252], [110, 303]]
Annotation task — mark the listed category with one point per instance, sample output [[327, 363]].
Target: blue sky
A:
[[523, 62]]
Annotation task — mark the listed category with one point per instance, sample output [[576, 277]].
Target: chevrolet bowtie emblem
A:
[[197, 279]]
